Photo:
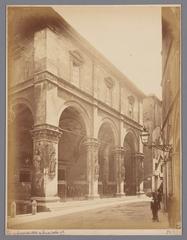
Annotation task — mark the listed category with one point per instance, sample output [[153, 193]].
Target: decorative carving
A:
[[52, 164], [109, 82], [46, 132], [76, 57], [37, 160], [42, 76], [38, 184], [131, 99]]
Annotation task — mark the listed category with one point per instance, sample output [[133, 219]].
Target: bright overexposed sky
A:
[[128, 36]]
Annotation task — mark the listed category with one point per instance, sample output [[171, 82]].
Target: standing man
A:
[[155, 207]]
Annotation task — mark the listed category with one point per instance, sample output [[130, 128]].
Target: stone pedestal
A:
[[91, 145], [120, 170], [45, 163]]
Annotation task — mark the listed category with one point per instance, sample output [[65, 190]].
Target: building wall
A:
[[171, 111], [152, 115], [67, 73]]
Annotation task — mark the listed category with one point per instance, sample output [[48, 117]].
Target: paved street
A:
[[132, 214]]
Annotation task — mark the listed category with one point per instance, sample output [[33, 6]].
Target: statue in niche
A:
[[37, 161], [52, 163]]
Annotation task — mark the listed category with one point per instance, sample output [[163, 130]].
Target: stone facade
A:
[[152, 119], [79, 110], [171, 122]]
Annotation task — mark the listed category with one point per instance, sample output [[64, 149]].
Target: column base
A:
[[90, 197], [120, 194]]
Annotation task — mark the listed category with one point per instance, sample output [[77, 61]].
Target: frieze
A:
[[44, 159], [46, 132]]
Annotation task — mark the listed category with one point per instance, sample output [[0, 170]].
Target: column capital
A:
[[46, 132], [118, 150], [90, 142]]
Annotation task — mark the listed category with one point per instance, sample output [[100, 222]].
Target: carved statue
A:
[[37, 161], [52, 164]]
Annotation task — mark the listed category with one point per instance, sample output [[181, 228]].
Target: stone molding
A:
[[46, 132], [91, 142], [45, 75]]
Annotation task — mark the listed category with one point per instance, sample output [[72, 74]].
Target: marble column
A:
[[91, 145], [45, 163], [120, 170]]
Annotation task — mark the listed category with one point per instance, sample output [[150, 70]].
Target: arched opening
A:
[[20, 153], [72, 166], [107, 178], [130, 165]]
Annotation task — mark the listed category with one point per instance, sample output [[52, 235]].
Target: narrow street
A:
[[134, 214]]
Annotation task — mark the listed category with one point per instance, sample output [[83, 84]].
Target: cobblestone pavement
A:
[[123, 215]]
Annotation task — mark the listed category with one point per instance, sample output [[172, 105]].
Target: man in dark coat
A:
[[155, 206]]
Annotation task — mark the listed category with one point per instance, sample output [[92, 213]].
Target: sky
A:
[[128, 36]]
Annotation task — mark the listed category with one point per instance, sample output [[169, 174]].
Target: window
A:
[[75, 74], [131, 106], [76, 63], [109, 84]]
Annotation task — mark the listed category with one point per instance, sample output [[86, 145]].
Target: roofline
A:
[[50, 17], [99, 56]]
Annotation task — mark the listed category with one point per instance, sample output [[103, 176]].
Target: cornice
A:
[[76, 92]]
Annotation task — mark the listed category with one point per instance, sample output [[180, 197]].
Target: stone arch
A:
[[81, 109], [130, 145], [135, 137], [72, 156], [107, 137], [21, 100], [113, 128], [20, 151]]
